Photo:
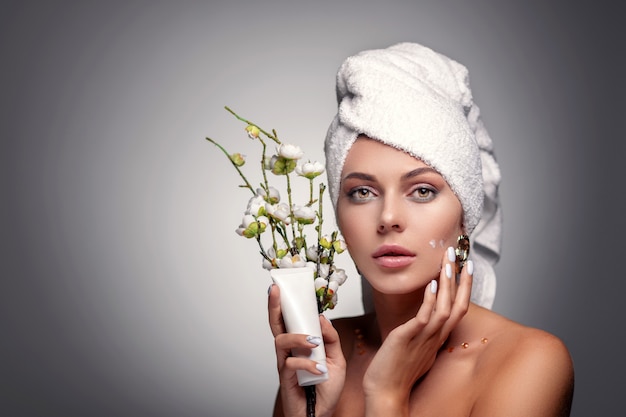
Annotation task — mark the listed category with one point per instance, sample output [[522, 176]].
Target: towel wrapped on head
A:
[[419, 101]]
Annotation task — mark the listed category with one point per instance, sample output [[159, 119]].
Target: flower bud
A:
[[325, 242], [238, 159], [339, 245], [253, 131], [299, 243], [283, 166]]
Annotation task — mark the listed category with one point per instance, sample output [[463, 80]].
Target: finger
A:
[[277, 325], [451, 260], [293, 364], [463, 296], [428, 305], [328, 331], [446, 286], [464, 291], [332, 343], [301, 344]]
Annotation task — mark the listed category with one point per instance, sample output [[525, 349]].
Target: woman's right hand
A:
[[410, 350], [291, 399]]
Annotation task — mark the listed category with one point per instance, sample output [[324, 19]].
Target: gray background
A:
[[125, 290]]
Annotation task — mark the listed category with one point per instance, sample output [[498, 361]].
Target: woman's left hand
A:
[[291, 400], [409, 351]]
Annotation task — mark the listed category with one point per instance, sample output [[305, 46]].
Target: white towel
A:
[[417, 100]]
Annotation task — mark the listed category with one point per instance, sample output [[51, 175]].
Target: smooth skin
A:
[[400, 220]]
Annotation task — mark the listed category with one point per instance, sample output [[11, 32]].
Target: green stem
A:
[[282, 231], [262, 249], [291, 215], [311, 201], [248, 186], [273, 136], [266, 183], [320, 249], [320, 213]]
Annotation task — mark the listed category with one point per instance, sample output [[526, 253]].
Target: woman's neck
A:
[[394, 310]]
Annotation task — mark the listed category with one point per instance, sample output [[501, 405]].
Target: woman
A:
[[413, 181]]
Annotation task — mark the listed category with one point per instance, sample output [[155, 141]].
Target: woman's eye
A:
[[424, 193], [360, 194]]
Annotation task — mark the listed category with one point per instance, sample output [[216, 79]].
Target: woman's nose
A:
[[392, 216]]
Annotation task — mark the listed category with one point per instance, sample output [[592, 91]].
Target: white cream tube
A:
[[299, 307]]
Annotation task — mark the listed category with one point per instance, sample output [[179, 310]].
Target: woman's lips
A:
[[393, 256]]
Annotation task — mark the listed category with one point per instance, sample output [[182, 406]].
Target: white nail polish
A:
[[321, 367], [316, 340], [449, 270], [451, 254], [433, 286], [470, 267]]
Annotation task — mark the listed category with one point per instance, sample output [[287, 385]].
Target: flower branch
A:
[[287, 222]]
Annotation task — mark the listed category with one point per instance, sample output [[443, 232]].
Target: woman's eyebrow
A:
[[419, 171], [408, 175], [359, 176]]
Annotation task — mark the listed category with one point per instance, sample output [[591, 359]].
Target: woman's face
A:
[[397, 216]]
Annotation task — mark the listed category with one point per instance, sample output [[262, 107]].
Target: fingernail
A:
[[321, 367], [449, 270], [269, 290], [433, 286], [470, 267], [451, 254], [315, 340]]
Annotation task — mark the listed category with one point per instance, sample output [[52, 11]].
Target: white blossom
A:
[[320, 283], [274, 195], [288, 261], [304, 214], [311, 253], [269, 163], [324, 270], [323, 283], [339, 276], [309, 169], [252, 226], [289, 151], [279, 211], [267, 264], [281, 250], [256, 205]]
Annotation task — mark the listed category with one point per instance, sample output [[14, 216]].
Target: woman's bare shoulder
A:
[[528, 369], [516, 341]]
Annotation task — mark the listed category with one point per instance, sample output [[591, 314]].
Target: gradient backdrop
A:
[[126, 292]]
